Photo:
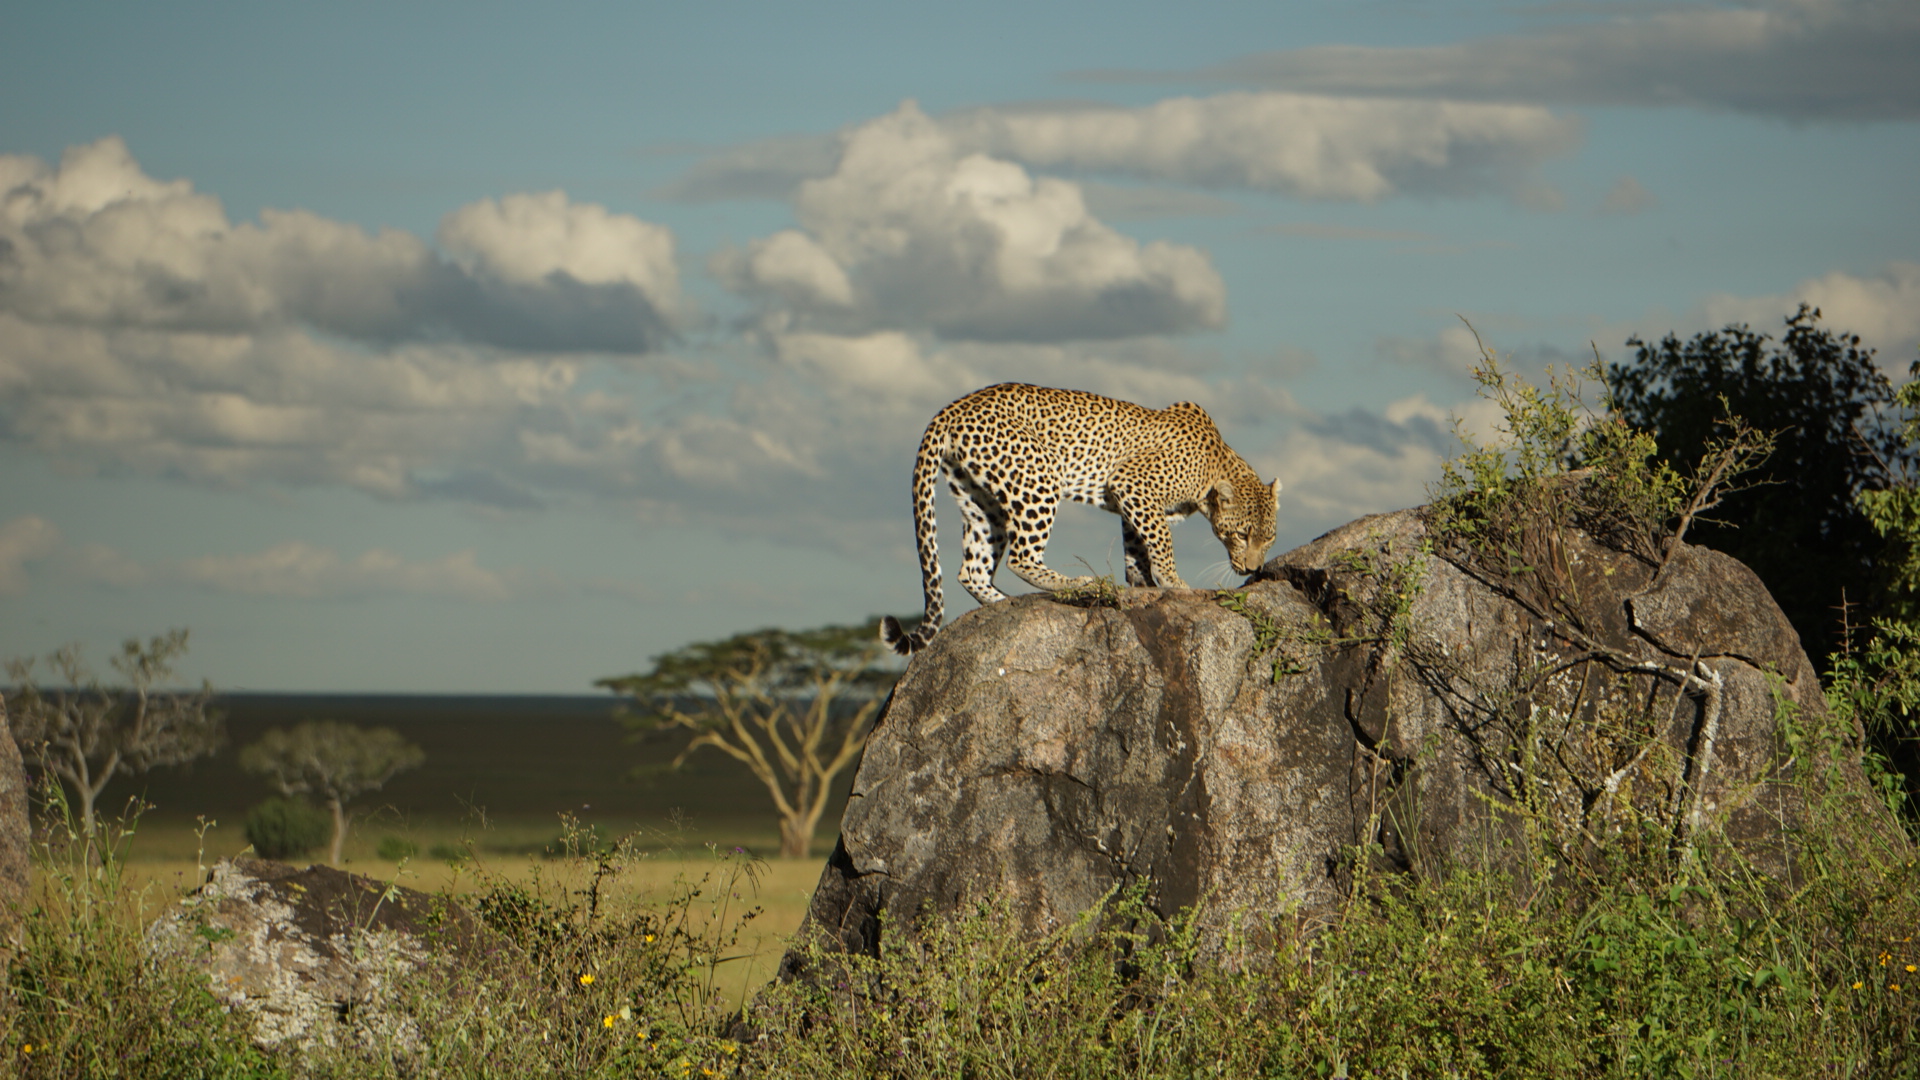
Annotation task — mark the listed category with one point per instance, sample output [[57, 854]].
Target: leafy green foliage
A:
[[1894, 513], [282, 828], [1875, 678], [1554, 465], [1467, 976], [795, 707], [396, 848], [1505, 507], [1830, 408]]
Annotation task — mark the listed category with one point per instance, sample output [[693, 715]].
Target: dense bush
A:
[[396, 848], [1799, 525], [283, 828], [1712, 975]]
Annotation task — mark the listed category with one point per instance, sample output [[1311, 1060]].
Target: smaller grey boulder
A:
[[314, 955]]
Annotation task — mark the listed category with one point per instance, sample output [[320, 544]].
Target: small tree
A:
[[1877, 679], [332, 763], [86, 732], [1798, 522], [794, 707]]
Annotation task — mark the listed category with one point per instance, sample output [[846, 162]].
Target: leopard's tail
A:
[[926, 475]]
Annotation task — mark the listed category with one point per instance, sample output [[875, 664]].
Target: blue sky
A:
[[485, 348]]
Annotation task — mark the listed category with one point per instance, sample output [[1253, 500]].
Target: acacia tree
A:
[[794, 707], [86, 732], [331, 763]]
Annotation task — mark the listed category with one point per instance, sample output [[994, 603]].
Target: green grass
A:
[[1468, 977], [1632, 964], [1637, 967]]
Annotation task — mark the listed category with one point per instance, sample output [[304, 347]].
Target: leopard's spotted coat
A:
[[1011, 452]]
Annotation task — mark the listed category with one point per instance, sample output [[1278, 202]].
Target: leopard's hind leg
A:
[[985, 539], [1139, 564], [1030, 525]]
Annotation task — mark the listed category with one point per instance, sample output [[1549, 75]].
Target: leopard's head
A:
[[1244, 521]]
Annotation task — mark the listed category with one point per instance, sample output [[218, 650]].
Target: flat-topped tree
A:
[[794, 707], [332, 763], [86, 732]]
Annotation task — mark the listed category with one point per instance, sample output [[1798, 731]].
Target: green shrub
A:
[[282, 828], [397, 848], [84, 999], [585, 979], [1471, 976]]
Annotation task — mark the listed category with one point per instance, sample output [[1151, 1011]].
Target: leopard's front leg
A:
[[1144, 527]]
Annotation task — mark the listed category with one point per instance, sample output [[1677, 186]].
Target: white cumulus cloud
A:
[[914, 231], [283, 407], [1883, 308], [1311, 146], [96, 242], [1302, 145], [142, 331]]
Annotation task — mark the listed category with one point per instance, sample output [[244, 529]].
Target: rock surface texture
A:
[[1363, 699], [313, 955], [15, 838]]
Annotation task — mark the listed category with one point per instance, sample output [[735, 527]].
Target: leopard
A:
[[1012, 452]]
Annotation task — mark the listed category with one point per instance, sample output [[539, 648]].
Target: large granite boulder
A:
[[314, 956], [1365, 699]]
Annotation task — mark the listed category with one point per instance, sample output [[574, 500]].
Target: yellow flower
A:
[[1910, 967], [587, 979], [641, 1034], [1893, 986], [1857, 986], [649, 937], [607, 1021], [26, 1048]]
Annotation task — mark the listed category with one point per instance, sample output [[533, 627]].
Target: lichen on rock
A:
[[313, 955]]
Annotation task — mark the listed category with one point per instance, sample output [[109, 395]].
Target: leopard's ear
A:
[[1276, 490], [1223, 493]]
